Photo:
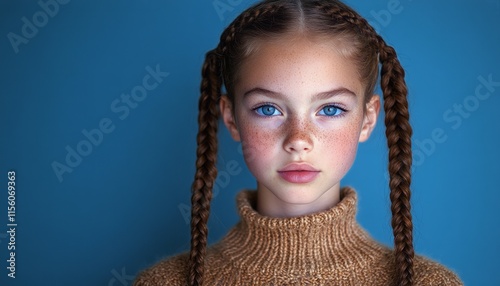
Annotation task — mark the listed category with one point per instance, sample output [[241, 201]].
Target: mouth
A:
[[298, 173]]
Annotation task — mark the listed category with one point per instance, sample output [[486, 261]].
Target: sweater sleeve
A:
[[428, 272], [171, 272]]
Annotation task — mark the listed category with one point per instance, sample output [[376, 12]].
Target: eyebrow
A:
[[321, 95]]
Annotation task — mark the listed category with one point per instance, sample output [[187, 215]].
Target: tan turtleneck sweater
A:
[[326, 248]]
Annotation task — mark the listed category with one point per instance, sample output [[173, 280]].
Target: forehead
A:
[[298, 65]]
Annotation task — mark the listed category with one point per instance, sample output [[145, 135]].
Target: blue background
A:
[[125, 205]]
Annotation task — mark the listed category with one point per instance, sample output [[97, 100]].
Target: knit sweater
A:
[[325, 248]]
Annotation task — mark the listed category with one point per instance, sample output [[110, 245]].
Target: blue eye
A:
[[267, 110], [330, 110]]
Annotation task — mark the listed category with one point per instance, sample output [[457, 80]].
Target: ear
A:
[[370, 118], [226, 109]]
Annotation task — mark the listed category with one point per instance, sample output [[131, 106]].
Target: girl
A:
[[299, 77]]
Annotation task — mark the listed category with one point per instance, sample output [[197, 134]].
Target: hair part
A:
[[353, 38]]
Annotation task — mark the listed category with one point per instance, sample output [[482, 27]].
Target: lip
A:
[[298, 173]]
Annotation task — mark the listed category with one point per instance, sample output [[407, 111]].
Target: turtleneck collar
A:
[[331, 239]]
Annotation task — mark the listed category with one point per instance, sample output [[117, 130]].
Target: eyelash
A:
[[264, 105], [342, 109], [337, 106]]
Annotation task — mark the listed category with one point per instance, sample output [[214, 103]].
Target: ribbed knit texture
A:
[[326, 248]]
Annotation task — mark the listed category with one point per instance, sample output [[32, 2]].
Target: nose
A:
[[298, 138]]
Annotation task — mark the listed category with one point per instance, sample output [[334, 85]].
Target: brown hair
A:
[[272, 19]]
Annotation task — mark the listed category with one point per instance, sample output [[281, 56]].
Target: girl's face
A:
[[299, 113]]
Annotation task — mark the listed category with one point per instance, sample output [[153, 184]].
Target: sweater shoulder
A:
[[171, 271], [429, 272]]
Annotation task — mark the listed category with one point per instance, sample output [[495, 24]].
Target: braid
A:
[[398, 133], [206, 170], [245, 19]]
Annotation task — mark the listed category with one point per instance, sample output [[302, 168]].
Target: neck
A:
[[294, 203]]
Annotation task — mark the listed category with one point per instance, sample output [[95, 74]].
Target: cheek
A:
[[340, 145], [258, 147]]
